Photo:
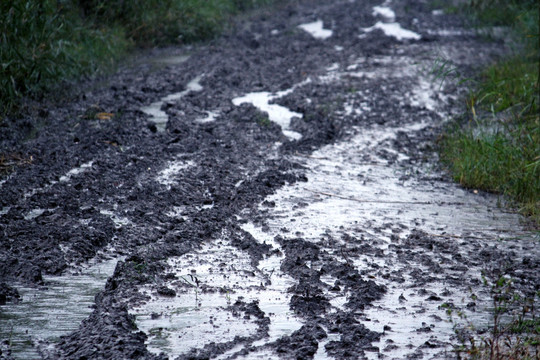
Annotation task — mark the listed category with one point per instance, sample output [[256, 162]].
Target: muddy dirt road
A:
[[271, 195]]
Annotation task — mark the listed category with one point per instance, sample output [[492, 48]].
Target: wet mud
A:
[[273, 194]]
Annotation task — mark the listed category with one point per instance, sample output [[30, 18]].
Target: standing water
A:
[[47, 312]]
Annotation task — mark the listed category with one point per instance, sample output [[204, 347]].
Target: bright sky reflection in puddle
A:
[[316, 30], [46, 313], [160, 117], [276, 113], [194, 317]]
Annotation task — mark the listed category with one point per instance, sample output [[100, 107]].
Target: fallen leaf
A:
[[104, 116]]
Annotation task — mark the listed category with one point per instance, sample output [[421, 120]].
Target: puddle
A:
[[172, 169], [384, 11], [393, 29], [321, 350], [119, 221], [450, 32], [160, 117], [76, 171], [172, 60], [351, 189], [207, 282], [276, 113], [389, 26], [349, 182], [259, 355], [211, 116], [409, 321], [177, 328], [53, 310], [276, 305], [32, 214], [333, 67], [316, 30], [177, 212]]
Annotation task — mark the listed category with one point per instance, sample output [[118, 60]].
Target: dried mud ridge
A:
[[99, 187]]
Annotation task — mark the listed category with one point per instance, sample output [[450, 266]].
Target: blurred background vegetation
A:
[[46, 42]]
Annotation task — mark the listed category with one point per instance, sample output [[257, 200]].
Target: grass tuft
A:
[[497, 148]]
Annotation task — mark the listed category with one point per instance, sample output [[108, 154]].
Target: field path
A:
[[272, 194]]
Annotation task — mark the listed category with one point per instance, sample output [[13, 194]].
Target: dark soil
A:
[[236, 167]]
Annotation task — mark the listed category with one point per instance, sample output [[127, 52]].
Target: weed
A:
[[227, 293], [195, 283], [133, 322], [513, 331], [140, 267], [498, 157], [443, 70], [263, 120]]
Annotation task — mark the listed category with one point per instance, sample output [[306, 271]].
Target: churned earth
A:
[[271, 194]]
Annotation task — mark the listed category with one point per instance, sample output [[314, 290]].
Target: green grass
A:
[[46, 43], [153, 22], [498, 148]]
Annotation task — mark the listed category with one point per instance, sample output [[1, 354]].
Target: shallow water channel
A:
[[208, 281], [57, 308], [350, 191]]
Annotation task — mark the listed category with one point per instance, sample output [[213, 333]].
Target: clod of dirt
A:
[[8, 293], [301, 344]]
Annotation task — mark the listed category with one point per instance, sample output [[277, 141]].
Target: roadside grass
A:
[[43, 44], [496, 147], [46, 44]]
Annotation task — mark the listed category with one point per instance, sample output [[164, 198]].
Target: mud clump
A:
[[355, 337], [109, 332], [310, 303], [301, 344], [8, 294]]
